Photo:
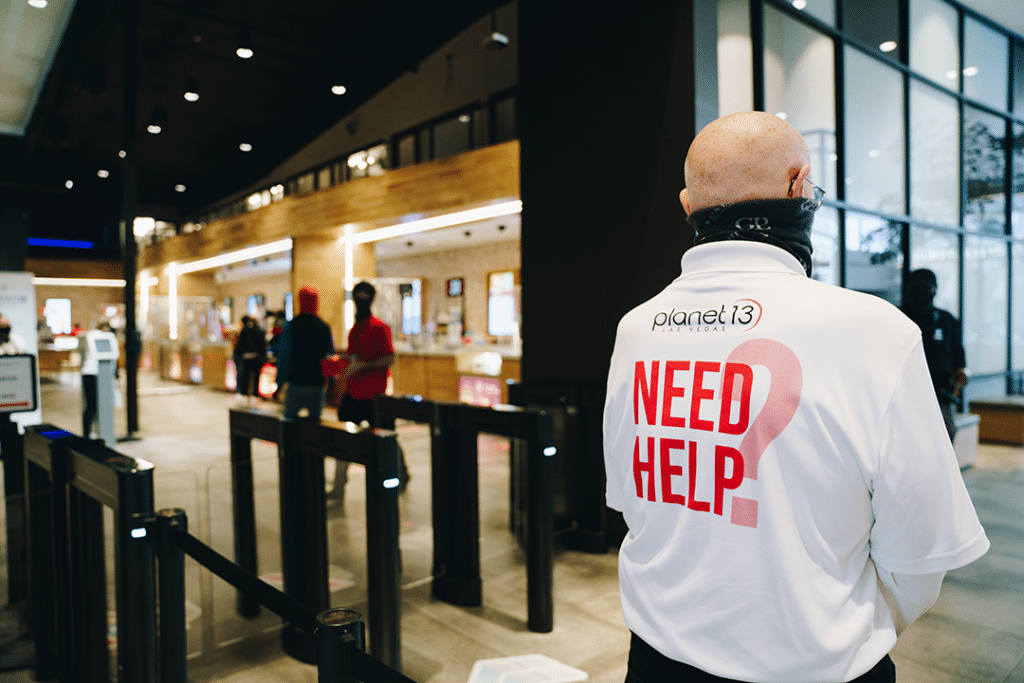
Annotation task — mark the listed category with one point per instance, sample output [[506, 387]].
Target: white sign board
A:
[[18, 304], [17, 383]]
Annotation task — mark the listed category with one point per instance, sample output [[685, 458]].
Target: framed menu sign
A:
[[17, 383]]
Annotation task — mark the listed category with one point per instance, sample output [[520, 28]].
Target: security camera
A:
[[496, 41]]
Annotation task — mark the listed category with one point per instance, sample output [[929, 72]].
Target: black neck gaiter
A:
[[784, 223]]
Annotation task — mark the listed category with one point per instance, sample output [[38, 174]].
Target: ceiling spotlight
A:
[[38, 4], [69, 184], [192, 90], [179, 188], [157, 120], [122, 154], [887, 46], [496, 40], [339, 89], [245, 147], [244, 45], [103, 173]]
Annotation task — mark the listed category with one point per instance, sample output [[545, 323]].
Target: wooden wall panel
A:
[[88, 269], [462, 181]]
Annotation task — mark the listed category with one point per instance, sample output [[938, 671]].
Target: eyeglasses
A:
[[819, 193]]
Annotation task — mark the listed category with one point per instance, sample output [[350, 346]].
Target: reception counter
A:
[[475, 374]]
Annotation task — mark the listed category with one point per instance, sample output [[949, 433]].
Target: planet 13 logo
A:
[[742, 313]]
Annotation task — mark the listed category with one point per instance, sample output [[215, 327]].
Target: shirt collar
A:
[[739, 257]]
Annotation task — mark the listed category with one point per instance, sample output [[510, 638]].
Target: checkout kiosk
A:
[[103, 348]]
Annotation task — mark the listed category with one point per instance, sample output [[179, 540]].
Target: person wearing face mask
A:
[[943, 348], [371, 355], [10, 343], [304, 342]]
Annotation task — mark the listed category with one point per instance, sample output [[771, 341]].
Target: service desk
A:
[[477, 374]]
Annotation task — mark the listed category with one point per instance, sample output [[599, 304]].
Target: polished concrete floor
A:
[[974, 633]]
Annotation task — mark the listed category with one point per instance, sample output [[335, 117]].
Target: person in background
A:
[[943, 346], [371, 354], [250, 355], [305, 341], [10, 343], [773, 445], [90, 371]]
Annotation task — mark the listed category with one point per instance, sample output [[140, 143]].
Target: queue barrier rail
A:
[[339, 634], [302, 444], [456, 495]]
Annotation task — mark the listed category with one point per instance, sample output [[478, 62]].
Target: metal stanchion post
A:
[[382, 552], [303, 534], [540, 528], [244, 508], [135, 577], [171, 591], [338, 632]]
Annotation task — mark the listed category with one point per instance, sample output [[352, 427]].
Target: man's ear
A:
[[684, 199], [798, 182]]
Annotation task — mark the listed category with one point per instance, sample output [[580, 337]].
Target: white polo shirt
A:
[[755, 526]]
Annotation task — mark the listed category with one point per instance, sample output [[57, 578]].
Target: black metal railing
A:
[[302, 445], [455, 428]]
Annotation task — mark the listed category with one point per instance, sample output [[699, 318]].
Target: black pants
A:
[[356, 410], [647, 665], [89, 409], [248, 383]]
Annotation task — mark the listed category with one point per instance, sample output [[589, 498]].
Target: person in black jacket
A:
[[305, 341], [943, 347], [250, 355]]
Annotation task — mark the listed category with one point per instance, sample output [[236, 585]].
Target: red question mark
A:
[[779, 407]]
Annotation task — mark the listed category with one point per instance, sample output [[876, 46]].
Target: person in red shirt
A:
[[371, 355]]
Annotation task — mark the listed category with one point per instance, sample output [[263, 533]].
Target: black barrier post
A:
[[338, 632], [377, 450], [42, 586], [12, 452], [171, 591], [60, 473], [303, 535], [243, 503]]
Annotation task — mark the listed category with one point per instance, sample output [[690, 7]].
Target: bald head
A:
[[744, 156]]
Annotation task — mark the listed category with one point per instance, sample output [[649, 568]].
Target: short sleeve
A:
[[924, 521]]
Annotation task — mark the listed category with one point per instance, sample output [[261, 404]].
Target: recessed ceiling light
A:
[[69, 184], [122, 154], [179, 188], [103, 173], [192, 96], [887, 46], [154, 129], [245, 147], [38, 4], [244, 52], [339, 89]]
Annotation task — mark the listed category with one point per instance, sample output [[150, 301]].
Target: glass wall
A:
[[934, 155], [986, 64], [799, 82], [874, 134], [985, 291], [938, 251], [926, 104], [984, 171], [935, 41]]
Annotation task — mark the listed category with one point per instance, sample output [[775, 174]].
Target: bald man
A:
[[791, 498]]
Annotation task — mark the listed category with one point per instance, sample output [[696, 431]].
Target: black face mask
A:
[[784, 223], [362, 309]]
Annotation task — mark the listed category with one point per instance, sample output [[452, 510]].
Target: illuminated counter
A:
[[477, 374]]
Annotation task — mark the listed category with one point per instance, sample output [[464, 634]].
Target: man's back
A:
[[750, 525]]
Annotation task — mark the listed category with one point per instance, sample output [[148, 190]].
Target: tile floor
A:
[[974, 634]]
